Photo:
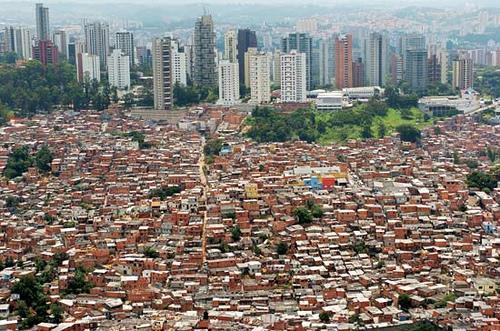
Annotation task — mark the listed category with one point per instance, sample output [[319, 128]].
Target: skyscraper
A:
[[343, 61], [162, 73], [463, 74], [42, 22], [46, 52], [293, 77], [326, 61], [302, 43], [205, 67], [18, 40], [246, 39], [60, 39], [97, 40], [231, 46], [119, 70], [260, 83], [376, 59], [229, 83], [124, 41]]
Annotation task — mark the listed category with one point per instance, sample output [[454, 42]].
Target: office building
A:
[[18, 40], [260, 80], [61, 40], [42, 22], [231, 46], [124, 41], [329, 101], [88, 67], [416, 72], [46, 52], [97, 40], [204, 66], [343, 61], [119, 70], [246, 39], [179, 64], [302, 43], [463, 74], [376, 56], [293, 77], [162, 73], [229, 83]]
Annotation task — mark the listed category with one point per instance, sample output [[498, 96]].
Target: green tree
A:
[[409, 133], [481, 180], [303, 215], [18, 162], [366, 132], [212, 147], [151, 253], [43, 159], [324, 316], [78, 284], [381, 130], [236, 233], [404, 302], [281, 248], [57, 313]]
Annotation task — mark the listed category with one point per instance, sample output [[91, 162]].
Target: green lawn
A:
[[391, 121]]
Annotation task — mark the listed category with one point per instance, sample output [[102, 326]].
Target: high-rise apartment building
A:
[[397, 69], [463, 74], [162, 73], [276, 67], [97, 40], [179, 64], [205, 67], [293, 77], [358, 73], [119, 70], [88, 67], [46, 52], [229, 83], [231, 46], [61, 40], [376, 58], [326, 61], [246, 39], [18, 40], [250, 52], [124, 41], [343, 62], [416, 72], [302, 43], [42, 22], [433, 70], [260, 82]]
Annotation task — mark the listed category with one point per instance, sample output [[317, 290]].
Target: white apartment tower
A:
[[162, 73], [463, 74], [119, 70], [376, 59], [179, 64], [88, 67], [293, 77], [229, 83], [260, 81]]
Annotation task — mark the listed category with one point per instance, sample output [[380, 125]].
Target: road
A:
[[204, 183], [495, 104]]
